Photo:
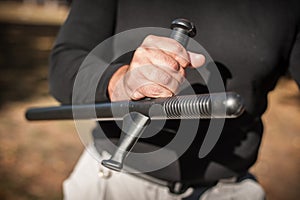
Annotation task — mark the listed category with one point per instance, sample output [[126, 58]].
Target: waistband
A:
[[174, 187], [178, 187]]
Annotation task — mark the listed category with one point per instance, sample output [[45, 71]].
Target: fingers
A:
[[156, 70], [169, 47], [152, 91], [150, 81], [160, 77], [175, 50], [156, 64]]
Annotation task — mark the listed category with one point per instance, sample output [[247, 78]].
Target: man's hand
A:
[[156, 70]]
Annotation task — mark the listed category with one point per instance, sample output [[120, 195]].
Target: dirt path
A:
[[35, 157]]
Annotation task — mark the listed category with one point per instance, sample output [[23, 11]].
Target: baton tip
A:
[[112, 164]]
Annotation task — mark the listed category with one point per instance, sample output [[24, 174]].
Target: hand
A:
[[156, 70]]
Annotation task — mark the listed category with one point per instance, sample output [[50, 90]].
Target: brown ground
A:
[[278, 166], [35, 157]]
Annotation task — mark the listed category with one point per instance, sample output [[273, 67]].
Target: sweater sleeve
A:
[[89, 23], [294, 66], [294, 61]]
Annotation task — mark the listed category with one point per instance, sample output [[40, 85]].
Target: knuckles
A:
[[164, 44], [170, 63], [162, 78], [140, 51], [167, 46], [149, 39], [184, 62], [166, 69]]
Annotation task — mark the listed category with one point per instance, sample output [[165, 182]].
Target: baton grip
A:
[[182, 30], [216, 105]]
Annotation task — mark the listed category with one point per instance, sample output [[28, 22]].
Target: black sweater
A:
[[252, 42]]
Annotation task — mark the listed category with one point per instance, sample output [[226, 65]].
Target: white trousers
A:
[[91, 181]]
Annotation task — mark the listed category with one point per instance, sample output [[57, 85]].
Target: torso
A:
[[250, 39]]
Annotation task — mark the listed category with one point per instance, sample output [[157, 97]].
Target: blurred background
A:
[[35, 157]]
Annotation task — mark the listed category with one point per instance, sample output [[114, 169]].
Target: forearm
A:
[[64, 65]]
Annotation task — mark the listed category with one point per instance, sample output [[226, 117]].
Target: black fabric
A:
[[253, 43]]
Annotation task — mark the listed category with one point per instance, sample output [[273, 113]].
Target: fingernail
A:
[[197, 59], [199, 56]]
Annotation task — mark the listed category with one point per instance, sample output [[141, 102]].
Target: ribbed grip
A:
[[180, 36], [182, 30], [188, 107], [214, 105]]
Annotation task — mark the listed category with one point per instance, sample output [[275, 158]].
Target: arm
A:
[[89, 23], [294, 67], [294, 61], [82, 32]]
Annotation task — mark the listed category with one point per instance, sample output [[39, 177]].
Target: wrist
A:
[[116, 89]]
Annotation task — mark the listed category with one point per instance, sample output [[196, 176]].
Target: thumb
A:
[[197, 60]]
